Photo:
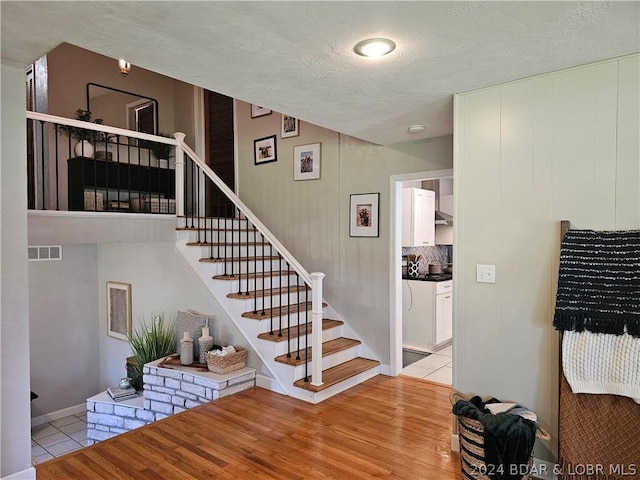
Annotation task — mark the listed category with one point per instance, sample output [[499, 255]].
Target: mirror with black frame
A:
[[122, 109]]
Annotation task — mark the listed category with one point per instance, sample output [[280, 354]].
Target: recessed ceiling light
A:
[[374, 47], [416, 129]]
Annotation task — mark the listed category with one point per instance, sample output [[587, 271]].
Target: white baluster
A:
[[179, 174], [316, 326]]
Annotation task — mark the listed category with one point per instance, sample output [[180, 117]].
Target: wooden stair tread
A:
[[269, 292], [241, 259], [298, 330], [280, 310], [332, 346], [337, 374], [242, 276]]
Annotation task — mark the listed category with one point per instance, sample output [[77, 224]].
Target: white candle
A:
[[205, 331]]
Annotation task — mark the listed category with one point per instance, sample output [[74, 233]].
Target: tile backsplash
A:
[[440, 253]]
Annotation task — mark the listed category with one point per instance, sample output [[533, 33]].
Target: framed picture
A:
[[306, 162], [364, 215], [258, 111], [118, 309], [264, 150], [289, 126]]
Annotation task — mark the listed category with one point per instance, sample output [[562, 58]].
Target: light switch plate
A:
[[485, 273]]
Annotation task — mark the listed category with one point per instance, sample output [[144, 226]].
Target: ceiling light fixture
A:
[[416, 129], [374, 47], [124, 67]]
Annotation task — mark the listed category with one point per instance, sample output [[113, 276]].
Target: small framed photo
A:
[[364, 215], [264, 150], [258, 111], [306, 162], [289, 126], [118, 309]]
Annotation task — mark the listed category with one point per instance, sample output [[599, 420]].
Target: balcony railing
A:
[[75, 165], [115, 170]]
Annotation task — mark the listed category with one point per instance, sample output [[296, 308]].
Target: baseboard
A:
[[268, 383], [385, 369], [542, 469], [65, 412], [28, 474], [455, 443]]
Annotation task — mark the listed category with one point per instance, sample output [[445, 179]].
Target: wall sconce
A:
[[124, 67]]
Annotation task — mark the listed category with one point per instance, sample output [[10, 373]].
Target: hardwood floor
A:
[[394, 428]]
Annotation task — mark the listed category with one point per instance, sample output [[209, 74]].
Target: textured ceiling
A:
[[296, 57]]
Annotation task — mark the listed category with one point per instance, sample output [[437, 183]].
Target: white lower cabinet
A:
[[427, 314]]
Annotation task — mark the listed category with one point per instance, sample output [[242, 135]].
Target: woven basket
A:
[[228, 363], [471, 438]]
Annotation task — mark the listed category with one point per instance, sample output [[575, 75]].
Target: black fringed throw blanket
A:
[[599, 282]]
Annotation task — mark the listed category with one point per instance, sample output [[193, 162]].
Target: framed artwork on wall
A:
[[306, 162], [258, 111], [118, 310], [264, 150], [289, 126], [364, 215]]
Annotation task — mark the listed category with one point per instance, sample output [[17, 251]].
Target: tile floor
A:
[[58, 437], [436, 367]]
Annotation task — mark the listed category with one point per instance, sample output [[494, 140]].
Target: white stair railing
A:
[[313, 280]]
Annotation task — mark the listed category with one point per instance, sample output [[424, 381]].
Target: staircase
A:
[[270, 305]]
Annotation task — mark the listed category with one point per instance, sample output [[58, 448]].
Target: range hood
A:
[[442, 217]]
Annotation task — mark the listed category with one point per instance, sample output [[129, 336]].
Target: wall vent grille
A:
[[44, 253]]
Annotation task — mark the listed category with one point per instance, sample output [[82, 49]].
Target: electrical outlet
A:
[[157, 317], [485, 273]]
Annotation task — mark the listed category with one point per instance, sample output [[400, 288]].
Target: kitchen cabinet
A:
[[427, 314], [418, 217]]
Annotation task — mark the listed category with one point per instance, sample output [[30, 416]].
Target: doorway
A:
[[396, 290]]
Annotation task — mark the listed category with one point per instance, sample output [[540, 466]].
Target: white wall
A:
[[311, 218], [63, 319], [15, 444], [527, 155], [161, 281]]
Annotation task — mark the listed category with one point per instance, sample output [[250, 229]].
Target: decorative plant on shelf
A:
[[149, 342], [161, 150], [81, 134]]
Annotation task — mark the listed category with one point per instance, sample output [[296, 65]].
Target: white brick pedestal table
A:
[[166, 392]]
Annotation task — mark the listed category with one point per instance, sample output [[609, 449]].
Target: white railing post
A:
[[316, 327], [179, 174]]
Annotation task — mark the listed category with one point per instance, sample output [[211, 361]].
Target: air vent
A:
[[52, 252]]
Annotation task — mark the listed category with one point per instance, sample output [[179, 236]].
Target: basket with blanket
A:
[[496, 438]]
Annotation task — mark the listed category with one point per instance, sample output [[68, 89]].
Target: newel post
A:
[[316, 328], [179, 174]]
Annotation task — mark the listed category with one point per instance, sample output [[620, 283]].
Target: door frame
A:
[[395, 260]]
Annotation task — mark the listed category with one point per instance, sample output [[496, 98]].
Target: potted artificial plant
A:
[[149, 342], [161, 151], [87, 139]]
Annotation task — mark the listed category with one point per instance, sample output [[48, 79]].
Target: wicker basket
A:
[[471, 439], [228, 363]]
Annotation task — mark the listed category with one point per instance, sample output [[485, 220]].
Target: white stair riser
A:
[[218, 268], [328, 361], [259, 283], [334, 389], [232, 252], [273, 300], [220, 236], [328, 334], [206, 223]]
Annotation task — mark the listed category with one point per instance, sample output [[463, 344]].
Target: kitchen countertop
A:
[[429, 278]]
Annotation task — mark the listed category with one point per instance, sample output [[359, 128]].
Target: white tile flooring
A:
[[436, 367], [58, 437]]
